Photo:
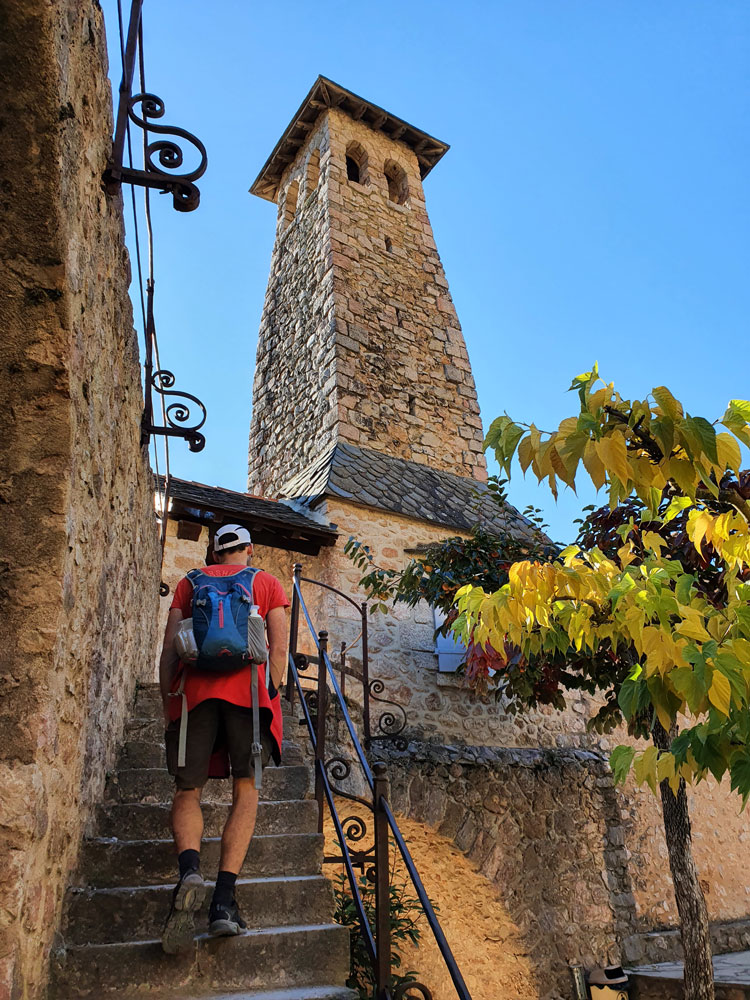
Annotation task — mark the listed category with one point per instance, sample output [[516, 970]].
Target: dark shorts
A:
[[212, 724]]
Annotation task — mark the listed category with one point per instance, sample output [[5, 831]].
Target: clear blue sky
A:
[[594, 203]]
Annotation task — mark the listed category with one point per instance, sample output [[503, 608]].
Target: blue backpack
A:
[[221, 607]]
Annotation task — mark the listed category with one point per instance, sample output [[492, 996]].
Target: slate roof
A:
[[374, 479], [251, 510], [327, 94]]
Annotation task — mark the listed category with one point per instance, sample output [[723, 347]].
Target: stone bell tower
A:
[[359, 342]]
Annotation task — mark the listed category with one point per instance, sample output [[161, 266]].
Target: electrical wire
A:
[[163, 496]]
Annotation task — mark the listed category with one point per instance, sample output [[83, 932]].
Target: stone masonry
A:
[[79, 571], [359, 339]]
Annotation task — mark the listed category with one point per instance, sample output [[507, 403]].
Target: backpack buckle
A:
[[256, 749]]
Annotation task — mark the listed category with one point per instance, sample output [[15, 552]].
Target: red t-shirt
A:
[[234, 687]]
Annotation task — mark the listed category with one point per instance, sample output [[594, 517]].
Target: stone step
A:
[[150, 753], [155, 784], [150, 821], [151, 862], [107, 916], [267, 959]]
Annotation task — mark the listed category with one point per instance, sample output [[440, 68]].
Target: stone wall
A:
[[294, 412], [79, 570], [439, 707], [359, 339], [721, 839], [544, 829]]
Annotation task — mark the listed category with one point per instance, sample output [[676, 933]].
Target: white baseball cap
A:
[[230, 535]]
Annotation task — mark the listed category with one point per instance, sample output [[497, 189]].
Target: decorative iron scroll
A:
[[163, 589], [177, 413], [404, 992], [169, 152], [355, 830], [392, 722], [339, 769]]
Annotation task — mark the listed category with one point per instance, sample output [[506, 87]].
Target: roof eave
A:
[[325, 94]]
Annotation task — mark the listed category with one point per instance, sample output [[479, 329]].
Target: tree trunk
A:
[[691, 904]]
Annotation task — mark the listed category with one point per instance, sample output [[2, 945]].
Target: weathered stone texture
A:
[[402, 644], [543, 827], [721, 839], [79, 547], [359, 339]]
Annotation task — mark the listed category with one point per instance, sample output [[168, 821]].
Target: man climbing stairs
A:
[[116, 909]]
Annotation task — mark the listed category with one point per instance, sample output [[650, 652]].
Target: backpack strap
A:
[[257, 746]]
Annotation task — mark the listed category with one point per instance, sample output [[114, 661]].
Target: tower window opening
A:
[[388, 244], [290, 203], [413, 405], [356, 163], [399, 318], [312, 173], [398, 184]]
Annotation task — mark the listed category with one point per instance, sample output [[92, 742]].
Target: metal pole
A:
[[293, 631], [126, 84], [320, 726], [365, 676], [382, 884], [343, 669]]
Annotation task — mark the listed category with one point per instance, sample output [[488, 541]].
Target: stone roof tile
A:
[[377, 480]]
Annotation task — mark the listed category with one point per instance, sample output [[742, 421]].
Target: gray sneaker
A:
[[187, 899]]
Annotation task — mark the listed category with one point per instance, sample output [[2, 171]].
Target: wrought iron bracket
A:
[[176, 413], [169, 152]]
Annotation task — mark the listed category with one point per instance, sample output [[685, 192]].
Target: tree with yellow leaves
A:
[[651, 610]]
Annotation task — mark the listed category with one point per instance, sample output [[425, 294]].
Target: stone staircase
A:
[[115, 911]]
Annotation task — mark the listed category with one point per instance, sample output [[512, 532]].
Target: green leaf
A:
[[683, 588], [739, 770], [702, 437], [495, 433], [676, 505], [620, 760], [663, 430]]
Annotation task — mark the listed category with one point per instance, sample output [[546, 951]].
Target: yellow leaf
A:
[[728, 452], [653, 541], [525, 453], [594, 465], [644, 767], [613, 452], [692, 627], [720, 693], [699, 523]]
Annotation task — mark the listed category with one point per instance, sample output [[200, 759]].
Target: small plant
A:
[[405, 915]]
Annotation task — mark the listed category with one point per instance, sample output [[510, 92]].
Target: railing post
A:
[[365, 677], [382, 883], [342, 682], [320, 725], [293, 631]]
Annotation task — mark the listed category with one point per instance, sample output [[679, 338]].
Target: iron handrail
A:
[[378, 949], [341, 837]]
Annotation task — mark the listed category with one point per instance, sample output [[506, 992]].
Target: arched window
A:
[[356, 163], [290, 202], [312, 173], [398, 185]]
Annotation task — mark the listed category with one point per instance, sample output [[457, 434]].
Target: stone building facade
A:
[[78, 534], [365, 420], [359, 341]]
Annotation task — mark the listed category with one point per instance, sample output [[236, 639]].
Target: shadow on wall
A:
[[541, 829], [488, 946]]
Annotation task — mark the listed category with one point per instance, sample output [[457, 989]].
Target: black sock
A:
[[224, 891], [188, 860]]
